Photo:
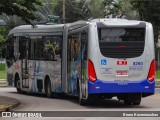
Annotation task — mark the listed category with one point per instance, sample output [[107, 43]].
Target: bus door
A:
[[76, 57], [84, 43], [74, 63], [24, 44]]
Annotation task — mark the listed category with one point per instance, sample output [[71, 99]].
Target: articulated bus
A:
[[97, 59]]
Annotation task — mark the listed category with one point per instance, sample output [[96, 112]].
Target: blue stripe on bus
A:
[[99, 86]]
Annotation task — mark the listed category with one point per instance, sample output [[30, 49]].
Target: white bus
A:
[[102, 58]]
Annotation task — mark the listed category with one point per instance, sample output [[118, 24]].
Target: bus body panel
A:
[[76, 59], [100, 86], [121, 75], [38, 70], [101, 42]]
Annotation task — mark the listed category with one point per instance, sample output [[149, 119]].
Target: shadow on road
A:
[[111, 103], [108, 103]]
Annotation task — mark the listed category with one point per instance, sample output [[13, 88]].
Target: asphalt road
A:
[[30, 102]]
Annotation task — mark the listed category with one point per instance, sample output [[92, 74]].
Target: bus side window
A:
[[39, 45], [16, 48], [10, 49], [74, 48], [52, 48], [31, 49], [10, 52], [22, 48]]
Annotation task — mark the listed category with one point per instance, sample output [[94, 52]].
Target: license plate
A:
[[122, 73]]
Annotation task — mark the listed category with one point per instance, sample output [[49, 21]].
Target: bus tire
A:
[[18, 87], [137, 99], [48, 88], [80, 100], [93, 99], [137, 103], [127, 102]]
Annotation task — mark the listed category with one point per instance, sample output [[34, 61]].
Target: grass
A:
[[2, 83], [2, 66], [2, 74], [158, 75], [2, 71]]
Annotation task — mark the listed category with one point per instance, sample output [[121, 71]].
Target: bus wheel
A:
[[48, 89], [93, 99], [81, 101], [127, 102], [18, 87], [137, 99], [137, 103]]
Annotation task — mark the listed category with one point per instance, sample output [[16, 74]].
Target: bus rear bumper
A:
[[99, 87]]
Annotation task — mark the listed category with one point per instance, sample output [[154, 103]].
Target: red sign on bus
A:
[[122, 62]]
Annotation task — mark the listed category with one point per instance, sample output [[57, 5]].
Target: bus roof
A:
[[26, 29], [118, 22], [110, 22], [40, 29]]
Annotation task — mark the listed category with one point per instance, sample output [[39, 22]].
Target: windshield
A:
[[121, 34], [121, 42]]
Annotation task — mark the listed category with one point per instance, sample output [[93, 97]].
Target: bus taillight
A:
[[91, 71], [151, 74]]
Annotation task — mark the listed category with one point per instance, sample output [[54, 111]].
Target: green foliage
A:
[[158, 75], [118, 9], [3, 75], [12, 21], [97, 8], [22, 8], [112, 8], [127, 10], [3, 35], [47, 8], [75, 10], [1, 41], [1, 38], [149, 11], [2, 66], [46, 11]]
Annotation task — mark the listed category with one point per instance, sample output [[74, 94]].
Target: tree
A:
[[12, 21], [97, 8], [47, 10], [22, 8], [42, 12], [127, 9], [75, 10], [119, 9], [10, 9], [3, 34], [149, 11]]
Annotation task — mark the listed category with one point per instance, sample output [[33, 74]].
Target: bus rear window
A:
[[121, 42]]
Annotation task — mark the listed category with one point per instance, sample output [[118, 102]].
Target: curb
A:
[[157, 86], [7, 103], [3, 83]]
